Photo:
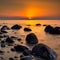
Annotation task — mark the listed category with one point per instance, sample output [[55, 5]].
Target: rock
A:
[[44, 52], [9, 40], [38, 24], [16, 27], [31, 39], [44, 25], [20, 48], [27, 29], [5, 28], [11, 59], [1, 52], [2, 43], [51, 30], [26, 58]]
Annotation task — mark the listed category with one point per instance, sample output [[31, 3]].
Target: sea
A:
[[53, 41]]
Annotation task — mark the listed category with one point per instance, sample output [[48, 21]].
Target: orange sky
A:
[[29, 8]]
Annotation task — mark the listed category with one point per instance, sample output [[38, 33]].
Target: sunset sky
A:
[[30, 8]]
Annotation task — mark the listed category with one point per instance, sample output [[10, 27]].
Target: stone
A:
[[31, 39], [44, 52], [16, 27], [27, 29]]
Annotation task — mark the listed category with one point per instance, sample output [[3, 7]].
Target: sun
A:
[[31, 12]]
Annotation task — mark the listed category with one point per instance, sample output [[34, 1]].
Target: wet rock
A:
[[20, 48], [9, 40], [38, 24], [31, 39], [26, 58], [3, 31], [11, 59], [27, 29], [1, 52], [16, 27], [5, 28], [2, 43], [44, 52], [19, 39], [51, 30]]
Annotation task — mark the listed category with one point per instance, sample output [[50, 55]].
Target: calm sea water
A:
[[53, 41]]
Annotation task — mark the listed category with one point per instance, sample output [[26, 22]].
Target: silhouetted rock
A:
[[16, 27], [31, 39], [44, 25], [9, 40], [5, 28], [11, 59], [27, 29], [51, 30], [26, 58], [44, 52], [20, 48], [38, 24]]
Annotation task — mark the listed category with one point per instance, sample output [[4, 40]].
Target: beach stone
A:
[[31, 39], [20, 48], [16, 27], [1, 52], [5, 28], [51, 30], [27, 29], [9, 40], [26, 58], [2, 43], [11, 59], [38, 24], [44, 52]]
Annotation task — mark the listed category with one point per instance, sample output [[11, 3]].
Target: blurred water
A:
[[53, 41]]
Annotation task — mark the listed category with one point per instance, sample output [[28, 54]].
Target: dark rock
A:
[[5, 28], [20, 48], [27, 29], [16, 27], [38, 24], [51, 30], [44, 52], [26, 58], [19, 39], [2, 43], [1, 52], [31, 39], [44, 25], [3, 31], [11, 59], [9, 40]]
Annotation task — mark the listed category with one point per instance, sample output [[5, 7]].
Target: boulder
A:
[[31, 39], [26, 58], [16, 27], [9, 40], [51, 30], [20, 48], [27, 29], [44, 52]]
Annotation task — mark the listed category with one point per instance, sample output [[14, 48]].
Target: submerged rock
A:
[[20, 48], [16, 27], [51, 30], [27, 29], [31, 39], [44, 52]]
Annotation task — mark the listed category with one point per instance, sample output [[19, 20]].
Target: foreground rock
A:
[[16, 27], [51, 30], [27, 29], [44, 52], [26, 58], [31, 39], [20, 48]]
